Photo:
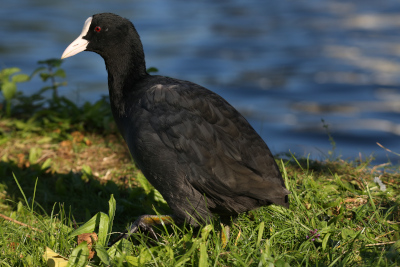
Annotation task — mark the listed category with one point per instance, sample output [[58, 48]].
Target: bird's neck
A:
[[123, 74]]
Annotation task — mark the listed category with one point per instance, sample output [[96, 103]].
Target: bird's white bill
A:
[[79, 44]]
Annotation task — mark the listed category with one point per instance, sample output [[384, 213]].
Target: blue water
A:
[[284, 64]]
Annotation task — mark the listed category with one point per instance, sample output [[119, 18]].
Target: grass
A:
[[58, 172], [357, 223]]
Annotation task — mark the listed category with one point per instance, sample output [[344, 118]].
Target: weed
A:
[[331, 153], [8, 84]]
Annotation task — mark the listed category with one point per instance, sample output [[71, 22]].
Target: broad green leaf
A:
[[325, 241], [79, 256], [44, 76], [203, 260], [103, 228], [102, 254], [9, 89], [132, 261], [348, 233], [5, 73], [88, 227], [60, 73], [20, 78]]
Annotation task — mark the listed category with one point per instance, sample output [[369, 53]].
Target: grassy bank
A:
[[61, 164]]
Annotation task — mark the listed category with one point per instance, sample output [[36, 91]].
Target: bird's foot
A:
[[144, 222]]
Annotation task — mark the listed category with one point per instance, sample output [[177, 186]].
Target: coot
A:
[[192, 145]]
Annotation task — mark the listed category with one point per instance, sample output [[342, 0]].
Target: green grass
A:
[[358, 223], [62, 166]]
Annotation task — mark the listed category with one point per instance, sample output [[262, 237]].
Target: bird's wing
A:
[[220, 153]]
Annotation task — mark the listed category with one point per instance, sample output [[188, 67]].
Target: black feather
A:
[[193, 146]]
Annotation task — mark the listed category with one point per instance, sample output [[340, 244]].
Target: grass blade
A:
[[34, 193], [22, 191], [260, 234], [111, 213]]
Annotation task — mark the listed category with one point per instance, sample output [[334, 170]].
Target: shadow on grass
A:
[[80, 194]]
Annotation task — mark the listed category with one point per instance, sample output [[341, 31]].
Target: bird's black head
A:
[[111, 36]]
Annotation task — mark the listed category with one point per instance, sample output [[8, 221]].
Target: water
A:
[[285, 64]]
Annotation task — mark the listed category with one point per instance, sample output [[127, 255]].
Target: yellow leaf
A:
[[53, 259]]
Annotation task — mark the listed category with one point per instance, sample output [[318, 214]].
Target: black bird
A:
[[192, 145]]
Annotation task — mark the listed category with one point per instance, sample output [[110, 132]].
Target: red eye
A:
[[97, 29]]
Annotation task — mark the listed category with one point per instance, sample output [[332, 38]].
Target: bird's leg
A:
[[144, 222]]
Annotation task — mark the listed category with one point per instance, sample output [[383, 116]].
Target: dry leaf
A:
[[21, 160], [90, 239], [54, 259], [77, 137], [88, 142]]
